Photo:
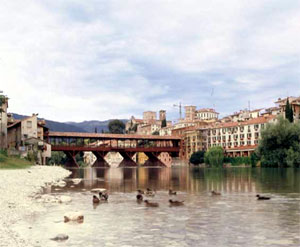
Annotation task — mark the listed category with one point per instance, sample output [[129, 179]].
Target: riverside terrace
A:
[[71, 143]]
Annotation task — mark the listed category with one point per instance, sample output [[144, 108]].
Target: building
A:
[[294, 103], [149, 116], [206, 114], [238, 138], [190, 113], [149, 125], [27, 135], [3, 121], [194, 140]]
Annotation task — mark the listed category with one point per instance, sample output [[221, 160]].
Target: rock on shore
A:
[[18, 188]]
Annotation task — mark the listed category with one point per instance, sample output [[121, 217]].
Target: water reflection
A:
[[235, 218], [191, 180]]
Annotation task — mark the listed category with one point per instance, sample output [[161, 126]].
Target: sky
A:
[[75, 60]]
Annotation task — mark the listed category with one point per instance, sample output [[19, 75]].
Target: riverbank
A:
[[12, 162], [18, 187]]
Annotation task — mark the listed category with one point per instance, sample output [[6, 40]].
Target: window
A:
[[29, 124]]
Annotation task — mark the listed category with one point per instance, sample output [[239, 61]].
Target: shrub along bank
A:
[[12, 162]]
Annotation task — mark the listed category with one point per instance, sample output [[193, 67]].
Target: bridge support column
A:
[[153, 159], [127, 159], [100, 161], [71, 162]]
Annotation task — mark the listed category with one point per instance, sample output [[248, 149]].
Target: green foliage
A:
[[156, 133], [163, 123], [254, 159], [2, 100], [289, 114], [197, 157], [116, 127], [238, 161], [32, 156], [12, 162], [214, 157], [280, 144], [57, 158]]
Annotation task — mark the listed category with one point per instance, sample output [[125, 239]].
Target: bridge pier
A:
[[153, 159], [71, 161], [100, 161], [127, 159]]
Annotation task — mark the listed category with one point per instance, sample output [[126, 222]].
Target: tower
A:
[[162, 115]]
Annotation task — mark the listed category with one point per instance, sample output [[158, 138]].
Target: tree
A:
[[289, 114], [163, 123], [280, 144], [57, 158], [214, 157], [197, 157], [156, 133], [116, 127], [96, 131]]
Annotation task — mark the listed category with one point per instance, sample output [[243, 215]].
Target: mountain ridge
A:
[[84, 126]]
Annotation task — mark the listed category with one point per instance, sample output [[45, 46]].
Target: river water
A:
[[235, 218]]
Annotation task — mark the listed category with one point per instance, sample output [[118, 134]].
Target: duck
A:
[[214, 193], [95, 199], [176, 203], [150, 193], [103, 196], [139, 198], [172, 193], [151, 204], [262, 197], [140, 191]]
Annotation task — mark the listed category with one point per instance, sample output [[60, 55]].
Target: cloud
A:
[[74, 60]]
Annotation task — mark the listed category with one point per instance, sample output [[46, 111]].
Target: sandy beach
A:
[[17, 198]]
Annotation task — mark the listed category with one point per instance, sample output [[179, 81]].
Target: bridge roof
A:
[[111, 136]]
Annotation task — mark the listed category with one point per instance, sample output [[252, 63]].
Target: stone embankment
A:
[[18, 188]]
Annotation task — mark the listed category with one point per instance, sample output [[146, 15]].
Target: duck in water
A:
[[103, 196], [262, 197], [214, 193], [139, 198], [95, 199], [150, 192], [172, 193], [151, 204], [140, 191], [176, 203]]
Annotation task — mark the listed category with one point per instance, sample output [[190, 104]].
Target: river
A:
[[236, 218]]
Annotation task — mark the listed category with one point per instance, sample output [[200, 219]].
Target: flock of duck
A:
[[103, 196]]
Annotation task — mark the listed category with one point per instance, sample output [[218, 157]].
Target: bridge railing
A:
[[113, 143]]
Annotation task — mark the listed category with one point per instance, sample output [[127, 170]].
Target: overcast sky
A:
[[75, 60]]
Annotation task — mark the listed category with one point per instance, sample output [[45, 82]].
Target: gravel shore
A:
[[17, 191]]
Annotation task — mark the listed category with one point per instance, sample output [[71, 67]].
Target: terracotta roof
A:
[[207, 110], [248, 147], [256, 110], [111, 136], [259, 120]]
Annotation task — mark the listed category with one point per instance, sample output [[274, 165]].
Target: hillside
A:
[[90, 126], [56, 126], [85, 126]]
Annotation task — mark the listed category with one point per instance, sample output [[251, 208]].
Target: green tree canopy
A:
[[197, 157], [289, 114], [280, 144], [116, 127], [163, 123], [214, 156]]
